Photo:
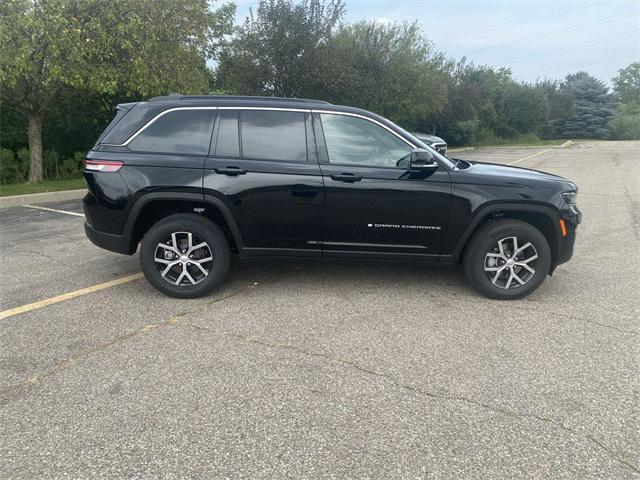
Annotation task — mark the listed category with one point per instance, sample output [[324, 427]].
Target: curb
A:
[[460, 149], [31, 198], [566, 144]]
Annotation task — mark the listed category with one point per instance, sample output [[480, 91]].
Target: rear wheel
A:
[[507, 259], [185, 256]]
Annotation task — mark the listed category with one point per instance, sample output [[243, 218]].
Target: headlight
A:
[[570, 197]]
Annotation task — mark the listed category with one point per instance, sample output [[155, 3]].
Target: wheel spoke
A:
[[526, 267], [523, 248], [169, 247], [515, 245], [495, 277], [202, 269], [169, 267], [508, 284], [492, 269], [163, 261], [530, 259], [188, 275], [196, 247], [517, 278], [181, 276]]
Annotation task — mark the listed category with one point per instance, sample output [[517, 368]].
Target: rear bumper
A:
[[108, 241]]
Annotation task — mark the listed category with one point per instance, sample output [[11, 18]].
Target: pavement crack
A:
[[567, 315], [585, 320], [437, 395]]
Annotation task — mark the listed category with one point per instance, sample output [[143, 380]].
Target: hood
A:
[[491, 173]]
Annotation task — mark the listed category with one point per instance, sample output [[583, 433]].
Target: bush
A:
[[13, 168], [50, 164], [71, 166], [626, 124], [461, 133]]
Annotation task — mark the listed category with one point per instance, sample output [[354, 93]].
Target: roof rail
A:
[[179, 96]]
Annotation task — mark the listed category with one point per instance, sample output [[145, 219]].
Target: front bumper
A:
[[441, 148], [572, 217], [108, 241]]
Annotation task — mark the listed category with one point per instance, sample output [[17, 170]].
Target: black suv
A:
[[437, 143], [194, 178]]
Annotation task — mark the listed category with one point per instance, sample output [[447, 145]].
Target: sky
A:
[[535, 39]]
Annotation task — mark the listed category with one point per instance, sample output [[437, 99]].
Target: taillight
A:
[[103, 165]]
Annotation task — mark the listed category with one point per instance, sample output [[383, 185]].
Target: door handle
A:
[[232, 171], [346, 177]]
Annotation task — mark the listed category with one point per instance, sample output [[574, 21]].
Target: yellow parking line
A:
[[529, 156], [68, 296]]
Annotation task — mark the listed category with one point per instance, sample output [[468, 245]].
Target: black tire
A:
[[484, 243], [202, 229]]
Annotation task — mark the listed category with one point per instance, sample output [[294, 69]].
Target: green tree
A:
[[471, 108], [626, 85], [279, 48], [107, 47], [626, 90], [521, 109], [594, 108], [390, 69]]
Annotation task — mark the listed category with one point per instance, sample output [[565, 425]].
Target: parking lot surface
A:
[[314, 370]]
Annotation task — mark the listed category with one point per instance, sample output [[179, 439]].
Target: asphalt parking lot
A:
[[327, 370]]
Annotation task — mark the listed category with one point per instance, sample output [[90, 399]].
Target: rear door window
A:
[[181, 132], [273, 135]]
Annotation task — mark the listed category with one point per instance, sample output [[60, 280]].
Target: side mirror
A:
[[422, 159]]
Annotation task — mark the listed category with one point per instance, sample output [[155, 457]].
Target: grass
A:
[[39, 187]]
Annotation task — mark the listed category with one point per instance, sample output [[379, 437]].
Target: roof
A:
[[172, 97]]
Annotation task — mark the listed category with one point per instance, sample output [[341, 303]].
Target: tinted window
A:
[[271, 135], [356, 141], [181, 132], [228, 144]]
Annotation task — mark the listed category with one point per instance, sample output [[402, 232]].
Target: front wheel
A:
[[185, 256], [507, 259]]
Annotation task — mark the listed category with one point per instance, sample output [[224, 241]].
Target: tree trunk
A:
[[35, 146]]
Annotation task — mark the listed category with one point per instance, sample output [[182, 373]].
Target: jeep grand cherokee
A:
[[192, 179]]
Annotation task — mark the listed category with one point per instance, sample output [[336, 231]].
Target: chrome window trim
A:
[[148, 124], [277, 109], [364, 117]]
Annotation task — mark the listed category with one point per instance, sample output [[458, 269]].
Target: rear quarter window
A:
[[181, 132]]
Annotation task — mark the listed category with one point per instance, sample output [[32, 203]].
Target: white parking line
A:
[[54, 210]]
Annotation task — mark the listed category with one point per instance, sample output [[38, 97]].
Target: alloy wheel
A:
[[510, 265], [183, 260]]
